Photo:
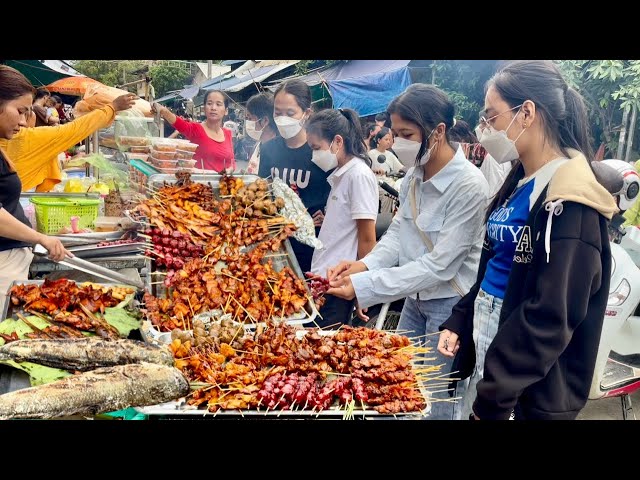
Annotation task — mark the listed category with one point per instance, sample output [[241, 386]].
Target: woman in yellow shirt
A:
[[34, 151]]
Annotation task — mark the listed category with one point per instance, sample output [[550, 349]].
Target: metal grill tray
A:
[[89, 251], [10, 309], [156, 181], [180, 408], [149, 332]]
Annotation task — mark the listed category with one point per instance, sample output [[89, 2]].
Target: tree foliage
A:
[[165, 77], [463, 80], [609, 87]]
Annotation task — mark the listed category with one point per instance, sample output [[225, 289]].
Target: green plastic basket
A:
[[53, 214]]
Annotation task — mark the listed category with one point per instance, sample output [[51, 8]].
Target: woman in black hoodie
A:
[[527, 333]]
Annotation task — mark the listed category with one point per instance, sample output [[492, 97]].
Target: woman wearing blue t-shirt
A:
[[527, 333]]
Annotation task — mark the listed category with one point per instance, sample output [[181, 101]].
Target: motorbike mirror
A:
[[608, 177]]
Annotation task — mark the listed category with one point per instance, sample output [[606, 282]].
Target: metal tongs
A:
[[91, 268]]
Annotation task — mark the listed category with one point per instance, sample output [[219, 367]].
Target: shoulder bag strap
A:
[[425, 238]]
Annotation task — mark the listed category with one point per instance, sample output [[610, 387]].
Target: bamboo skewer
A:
[[33, 327]]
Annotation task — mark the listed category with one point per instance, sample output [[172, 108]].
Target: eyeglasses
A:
[[484, 122]]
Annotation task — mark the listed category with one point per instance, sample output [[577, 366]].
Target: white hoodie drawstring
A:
[[554, 208]]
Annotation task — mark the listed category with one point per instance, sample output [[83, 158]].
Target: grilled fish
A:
[[85, 353], [98, 391]]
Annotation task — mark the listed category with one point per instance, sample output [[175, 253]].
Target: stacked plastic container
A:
[[171, 155]]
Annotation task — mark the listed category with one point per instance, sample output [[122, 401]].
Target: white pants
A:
[[14, 265]]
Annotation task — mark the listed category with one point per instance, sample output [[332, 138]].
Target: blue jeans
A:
[[424, 317], [486, 315]]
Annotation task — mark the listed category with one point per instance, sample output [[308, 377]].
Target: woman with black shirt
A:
[[16, 235], [289, 158]]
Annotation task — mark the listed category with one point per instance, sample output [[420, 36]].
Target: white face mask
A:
[[325, 159], [407, 151], [498, 144], [250, 127], [289, 127]]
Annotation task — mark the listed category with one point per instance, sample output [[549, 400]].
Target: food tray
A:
[[10, 310], [180, 407], [89, 251], [150, 333], [157, 181]]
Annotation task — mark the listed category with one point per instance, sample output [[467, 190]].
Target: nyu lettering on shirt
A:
[[510, 239], [294, 166]]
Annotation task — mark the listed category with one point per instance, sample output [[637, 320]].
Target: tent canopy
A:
[[252, 71], [43, 72], [366, 86], [256, 73]]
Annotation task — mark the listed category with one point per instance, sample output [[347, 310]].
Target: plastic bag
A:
[[106, 168], [98, 95], [132, 129]]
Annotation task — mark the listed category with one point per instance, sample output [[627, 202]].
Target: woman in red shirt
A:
[[215, 148]]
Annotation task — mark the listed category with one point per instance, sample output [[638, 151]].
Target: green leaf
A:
[[122, 320], [8, 326], [38, 374]]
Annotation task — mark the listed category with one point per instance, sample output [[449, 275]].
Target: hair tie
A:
[[454, 122]]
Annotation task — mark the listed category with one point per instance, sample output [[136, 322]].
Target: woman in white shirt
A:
[[348, 230], [259, 125], [431, 251], [383, 141]]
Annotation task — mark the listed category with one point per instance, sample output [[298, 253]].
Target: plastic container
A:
[[164, 163], [164, 144], [139, 149], [107, 224], [184, 155], [53, 214], [163, 154], [190, 164], [186, 145], [132, 141]]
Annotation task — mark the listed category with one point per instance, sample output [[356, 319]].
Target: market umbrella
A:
[[76, 86]]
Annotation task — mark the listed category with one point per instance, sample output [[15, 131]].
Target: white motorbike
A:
[[617, 369]]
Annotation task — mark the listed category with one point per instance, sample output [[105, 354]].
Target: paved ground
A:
[[608, 408]]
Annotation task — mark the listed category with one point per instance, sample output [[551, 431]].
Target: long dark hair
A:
[[299, 90], [328, 123], [13, 84], [378, 136], [562, 109], [261, 105], [426, 106]]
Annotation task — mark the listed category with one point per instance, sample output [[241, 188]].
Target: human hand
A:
[[56, 250], [344, 268], [157, 107], [360, 312], [378, 171], [448, 343], [318, 218], [342, 288], [124, 102]]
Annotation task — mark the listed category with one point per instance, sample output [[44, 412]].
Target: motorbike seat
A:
[[620, 378], [632, 360]]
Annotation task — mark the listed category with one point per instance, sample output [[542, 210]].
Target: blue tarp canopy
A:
[[366, 86]]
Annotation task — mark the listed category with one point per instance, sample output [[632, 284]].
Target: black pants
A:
[[334, 312]]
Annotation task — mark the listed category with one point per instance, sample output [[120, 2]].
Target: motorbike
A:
[[617, 368]]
